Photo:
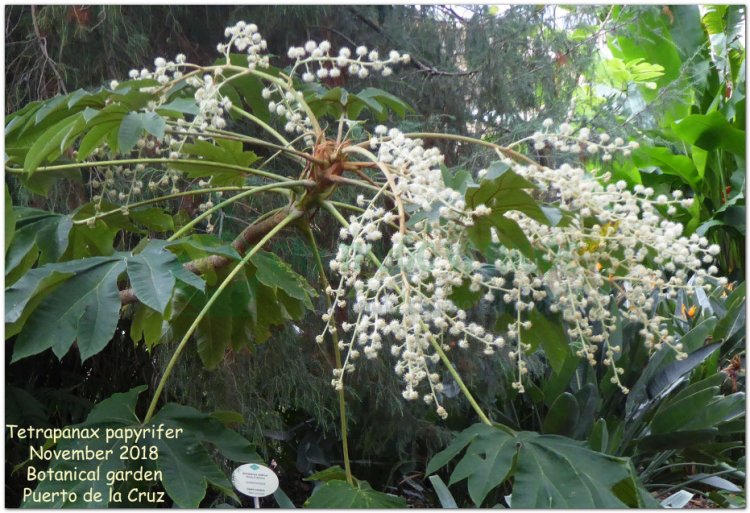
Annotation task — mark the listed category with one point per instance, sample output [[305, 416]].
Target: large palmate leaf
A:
[[229, 322], [198, 246], [548, 471], [503, 191], [87, 308], [54, 305], [187, 466], [273, 272], [56, 140], [224, 152], [146, 326], [153, 219], [184, 461], [39, 237], [151, 273], [256, 300], [337, 494], [133, 126]]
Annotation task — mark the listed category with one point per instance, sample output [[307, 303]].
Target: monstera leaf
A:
[[548, 471], [184, 460]]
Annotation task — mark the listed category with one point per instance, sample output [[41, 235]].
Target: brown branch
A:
[[416, 62], [433, 72], [249, 237], [43, 46]]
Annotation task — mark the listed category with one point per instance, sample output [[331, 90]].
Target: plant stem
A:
[[337, 355], [218, 206], [341, 204], [223, 134], [265, 126], [62, 167], [181, 346], [166, 197], [686, 464], [697, 479], [335, 213], [471, 140], [461, 384]]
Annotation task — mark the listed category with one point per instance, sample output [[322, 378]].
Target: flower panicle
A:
[[616, 255]]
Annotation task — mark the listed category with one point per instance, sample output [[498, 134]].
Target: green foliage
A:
[[184, 460], [709, 132], [10, 219], [337, 101], [60, 303], [340, 494], [703, 397], [38, 236], [276, 274], [548, 471], [444, 495], [86, 309], [225, 152], [133, 126], [694, 119], [501, 190], [151, 273]]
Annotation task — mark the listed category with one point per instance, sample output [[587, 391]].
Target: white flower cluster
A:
[[406, 300], [211, 103], [417, 178], [288, 104], [122, 184], [164, 71], [245, 37], [582, 141], [617, 242], [615, 250], [316, 57]]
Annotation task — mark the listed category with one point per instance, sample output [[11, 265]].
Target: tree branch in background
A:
[[416, 62], [43, 46]]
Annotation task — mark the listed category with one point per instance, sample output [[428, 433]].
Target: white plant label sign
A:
[[255, 480]]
